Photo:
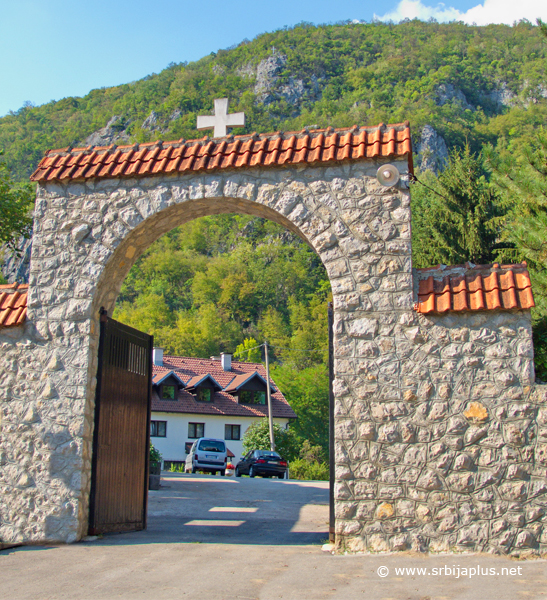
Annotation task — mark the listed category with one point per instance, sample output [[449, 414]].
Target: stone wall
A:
[[435, 418], [439, 449]]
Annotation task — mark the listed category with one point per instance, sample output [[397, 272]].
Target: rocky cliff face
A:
[[15, 268], [502, 95], [432, 150], [448, 93], [113, 133], [271, 86]]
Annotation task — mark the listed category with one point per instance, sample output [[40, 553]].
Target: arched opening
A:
[[186, 501]]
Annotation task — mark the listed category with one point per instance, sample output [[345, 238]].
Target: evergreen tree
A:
[[15, 204], [457, 216], [522, 177]]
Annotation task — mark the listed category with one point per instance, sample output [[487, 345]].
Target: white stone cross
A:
[[221, 120]]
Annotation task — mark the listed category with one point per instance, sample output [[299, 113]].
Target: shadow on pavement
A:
[[205, 509]]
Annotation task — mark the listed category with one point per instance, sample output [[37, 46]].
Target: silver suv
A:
[[207, 455]]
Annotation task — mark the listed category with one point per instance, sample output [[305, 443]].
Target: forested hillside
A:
[[476, 98], [478, 84]]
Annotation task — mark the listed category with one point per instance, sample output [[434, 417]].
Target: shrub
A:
[[155, 455], [303, 469], [310, 464]]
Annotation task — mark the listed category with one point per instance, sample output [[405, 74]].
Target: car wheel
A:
[[223, 473], [281, 476], [251, 472], [237, 473], [194, 470]]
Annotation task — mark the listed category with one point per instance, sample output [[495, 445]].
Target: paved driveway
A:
[[216, 538], [206, 509]]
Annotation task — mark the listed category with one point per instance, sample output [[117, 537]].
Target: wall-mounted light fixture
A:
[[388, 175]]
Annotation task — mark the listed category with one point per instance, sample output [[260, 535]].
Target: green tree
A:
[[457, 216], [249, 351], [257, 437], [307, 391], [15, 204], [522, 177]]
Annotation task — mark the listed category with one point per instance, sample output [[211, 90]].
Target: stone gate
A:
[[441, 435]]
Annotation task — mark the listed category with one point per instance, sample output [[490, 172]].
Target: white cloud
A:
[[491, 11]]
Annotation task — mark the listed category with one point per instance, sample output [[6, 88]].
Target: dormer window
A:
[[252, 397], [204, 394], [203, 387], [167, 385], [249, 388], [167, 392]]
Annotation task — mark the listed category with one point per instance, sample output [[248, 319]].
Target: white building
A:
[[217, 398]]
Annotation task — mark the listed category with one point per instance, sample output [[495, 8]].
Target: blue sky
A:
[[51, 49]]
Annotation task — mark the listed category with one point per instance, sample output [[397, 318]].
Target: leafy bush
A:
[[311, 464], [304, 469], [155, 455]]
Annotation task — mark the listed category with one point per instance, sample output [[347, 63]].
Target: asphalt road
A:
[[230, 510], [216, 538]]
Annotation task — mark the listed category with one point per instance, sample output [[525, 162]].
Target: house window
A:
[[252, 397], [196, 430], [205, 395], [167, 392], [158, 428], [232, 432]]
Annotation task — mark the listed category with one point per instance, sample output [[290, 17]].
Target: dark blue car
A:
[[262, 462]]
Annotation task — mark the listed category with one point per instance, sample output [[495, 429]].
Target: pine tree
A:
[[522, 177], [456, 217]]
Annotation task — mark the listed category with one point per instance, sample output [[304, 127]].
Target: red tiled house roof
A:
[[223, 403], [230, 152], [474, 288], [13, 304]]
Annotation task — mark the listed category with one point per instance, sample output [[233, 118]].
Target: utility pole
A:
[[269, 396]]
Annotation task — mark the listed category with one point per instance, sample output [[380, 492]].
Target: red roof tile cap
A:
[[13, 304], [471, 287], [317, 146]]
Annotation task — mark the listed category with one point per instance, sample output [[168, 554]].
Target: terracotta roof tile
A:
[[271, 149], [13, 304], [473, 287], [223, 403]]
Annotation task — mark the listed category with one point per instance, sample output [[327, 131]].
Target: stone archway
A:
[[402, 379], [90, 229]]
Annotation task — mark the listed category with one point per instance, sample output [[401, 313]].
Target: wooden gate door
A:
[[119, 486]]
